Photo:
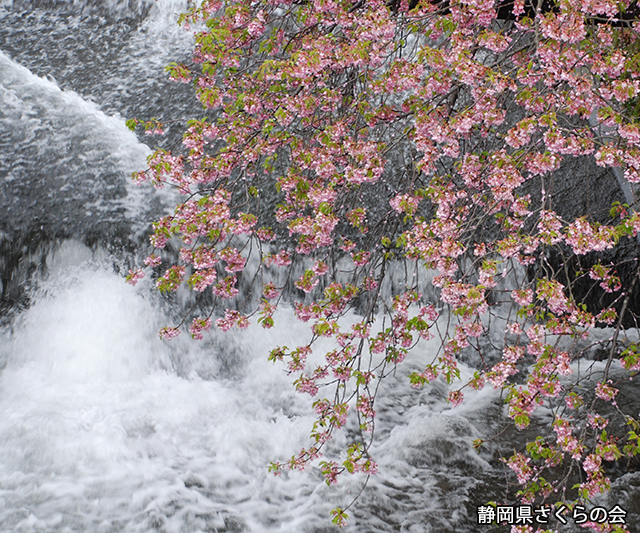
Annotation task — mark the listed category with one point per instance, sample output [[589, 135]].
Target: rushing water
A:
[[105, 428]]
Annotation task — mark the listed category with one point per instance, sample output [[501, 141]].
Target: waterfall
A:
[[100, 425], [103, 426]]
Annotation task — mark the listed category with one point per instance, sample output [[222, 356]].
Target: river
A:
[[103, 426]]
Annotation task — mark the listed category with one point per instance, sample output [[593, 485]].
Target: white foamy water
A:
[[96, 428], [36, 106], [65, 152], [104, 427]]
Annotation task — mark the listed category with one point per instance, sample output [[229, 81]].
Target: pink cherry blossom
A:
[[356, 151]]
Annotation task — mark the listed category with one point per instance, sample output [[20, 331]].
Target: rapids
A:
[[103, 426]]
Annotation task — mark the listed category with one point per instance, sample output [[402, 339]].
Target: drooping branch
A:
[[361, 153]]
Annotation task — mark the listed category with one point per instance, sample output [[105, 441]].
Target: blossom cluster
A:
[[351, 136]]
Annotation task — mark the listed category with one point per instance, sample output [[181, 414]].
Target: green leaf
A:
[[339, 517], [349, 466]]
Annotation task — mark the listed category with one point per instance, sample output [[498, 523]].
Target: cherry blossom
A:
[[352, 140]]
